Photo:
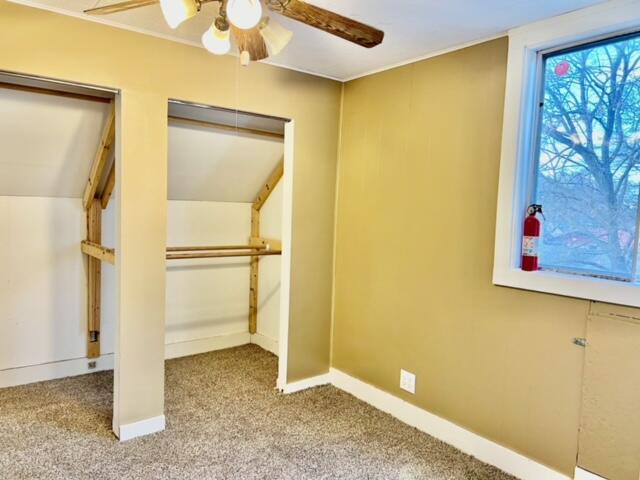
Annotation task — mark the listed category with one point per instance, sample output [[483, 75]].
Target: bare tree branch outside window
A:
[[588, 163]]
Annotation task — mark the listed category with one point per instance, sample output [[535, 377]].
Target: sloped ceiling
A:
[[205, 164], [47, 144]]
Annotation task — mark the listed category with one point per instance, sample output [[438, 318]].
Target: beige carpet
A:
[[225, 421]]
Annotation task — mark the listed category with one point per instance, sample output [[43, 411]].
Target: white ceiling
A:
[[413, 28], [48, 143]]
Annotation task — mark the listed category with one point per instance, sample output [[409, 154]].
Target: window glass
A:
[[587, 174]]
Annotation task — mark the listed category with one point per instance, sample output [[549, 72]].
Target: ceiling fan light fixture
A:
[[177, 11], [244, 14], [216, 41], [275, 36]]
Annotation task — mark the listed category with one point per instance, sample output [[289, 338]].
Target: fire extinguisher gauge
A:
[[535, 208]]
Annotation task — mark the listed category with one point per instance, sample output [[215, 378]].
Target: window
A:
[[587, 160], [571, 142]]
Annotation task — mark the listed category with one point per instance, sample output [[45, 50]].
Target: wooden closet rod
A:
[[221, 254], [216, 247]]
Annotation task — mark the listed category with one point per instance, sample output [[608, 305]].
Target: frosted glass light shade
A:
[[244, 14], [275, 36], [216, 41], [245, 58], [177, 11]]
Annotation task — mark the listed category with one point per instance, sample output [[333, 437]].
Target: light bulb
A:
[[177, 11], [275, 36], [216, 41], [244, 14]]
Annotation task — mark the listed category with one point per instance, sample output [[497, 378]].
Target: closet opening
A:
[[57, 174], [228, 230]]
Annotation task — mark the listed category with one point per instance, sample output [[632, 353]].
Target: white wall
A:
[[43, 282], [43, 279], [269, 274], [207, 297], [43, 274]]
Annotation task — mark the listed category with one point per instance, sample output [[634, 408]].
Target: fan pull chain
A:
[[237, 93]]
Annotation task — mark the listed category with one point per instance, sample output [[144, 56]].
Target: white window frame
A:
[[518, 137]]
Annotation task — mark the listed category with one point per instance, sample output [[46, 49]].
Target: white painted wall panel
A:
[[207, 297], [108, 292], [269, 281], [42, 278]]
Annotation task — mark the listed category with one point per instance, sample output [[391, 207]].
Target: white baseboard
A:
[[141, 428], [203, 345], [456, 436], [311, 382], [269, 344], [48, 371], [79, 366], [582, 474]]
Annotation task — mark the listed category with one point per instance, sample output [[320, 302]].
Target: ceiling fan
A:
[[256, 36]]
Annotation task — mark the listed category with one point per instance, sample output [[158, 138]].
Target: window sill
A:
[[609, 291]]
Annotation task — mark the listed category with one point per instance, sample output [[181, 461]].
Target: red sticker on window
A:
[[562, 68]]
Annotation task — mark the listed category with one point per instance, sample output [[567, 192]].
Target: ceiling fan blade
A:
[[330, 22], [251, 41], [120, 7]]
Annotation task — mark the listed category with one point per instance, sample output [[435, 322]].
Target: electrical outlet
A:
[[407, 381]]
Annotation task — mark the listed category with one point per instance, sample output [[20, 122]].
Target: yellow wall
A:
[[418, 176], [149, 71]]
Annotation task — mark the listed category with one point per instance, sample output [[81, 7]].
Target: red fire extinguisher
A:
[[530, 237]]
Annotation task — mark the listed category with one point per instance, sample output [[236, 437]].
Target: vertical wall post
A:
[[141, 176], [259, 201], [253, 274], [94, 271], [94, 233]]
